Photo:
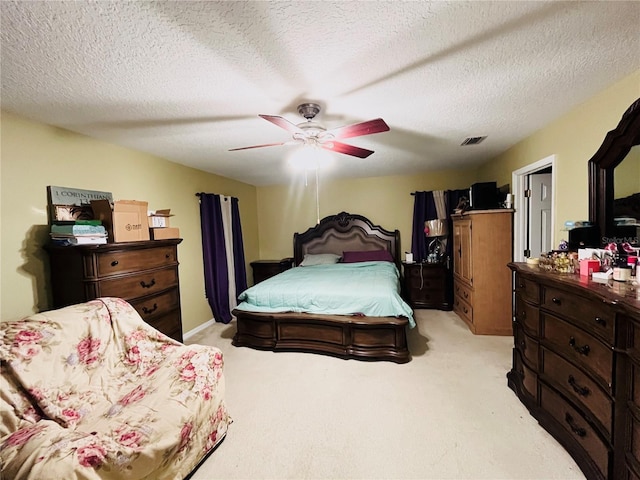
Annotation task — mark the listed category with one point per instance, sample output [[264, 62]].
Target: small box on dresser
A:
[[143, 273]]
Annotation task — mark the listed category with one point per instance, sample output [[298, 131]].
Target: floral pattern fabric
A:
[[91, 391]]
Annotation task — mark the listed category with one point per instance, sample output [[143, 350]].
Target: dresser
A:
[[263, 269], [425, 285], [482, 247], [576, 364], [143, 273]]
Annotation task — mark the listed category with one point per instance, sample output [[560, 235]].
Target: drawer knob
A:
[[148, 285], [601, 321], [581, 432], [466, 295], [523, 345], [582, 391], [556, 300], [150, 310], [524, 314], [114, 263], [167, 255], [521, 286], [582, 350]]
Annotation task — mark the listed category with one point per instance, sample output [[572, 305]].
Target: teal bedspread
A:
[[368, 288]]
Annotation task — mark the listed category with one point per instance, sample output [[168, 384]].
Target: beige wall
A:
[[36, 155], [573, 139], [386, 201]]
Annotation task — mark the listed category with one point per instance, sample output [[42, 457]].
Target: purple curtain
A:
[[238, 248], [216, 269], [424, 208]]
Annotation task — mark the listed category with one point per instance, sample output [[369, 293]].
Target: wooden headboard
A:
[[345, 232]]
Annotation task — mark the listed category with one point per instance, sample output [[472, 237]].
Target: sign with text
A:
[[75, 196]]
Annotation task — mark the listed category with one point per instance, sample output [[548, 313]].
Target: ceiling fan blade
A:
[[358, 129], [282, 123], [258, 146], [347, 149]]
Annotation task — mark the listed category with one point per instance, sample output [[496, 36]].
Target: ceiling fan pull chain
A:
[[317, 197]]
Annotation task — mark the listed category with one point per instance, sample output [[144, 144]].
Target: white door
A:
[[540, 214]]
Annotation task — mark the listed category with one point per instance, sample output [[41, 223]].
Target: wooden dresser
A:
[[425, 285], [576, 366], [143, 273], [482, 247]]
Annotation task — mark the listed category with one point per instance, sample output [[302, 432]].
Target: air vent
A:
[[472, 141]]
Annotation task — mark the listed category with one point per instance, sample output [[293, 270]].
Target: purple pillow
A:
[[367, 256]]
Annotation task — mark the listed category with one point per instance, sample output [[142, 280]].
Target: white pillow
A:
[[319, 259]]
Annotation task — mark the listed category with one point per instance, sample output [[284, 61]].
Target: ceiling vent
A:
[[472, 141]]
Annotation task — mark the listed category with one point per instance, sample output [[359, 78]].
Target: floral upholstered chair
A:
[[91, 391]]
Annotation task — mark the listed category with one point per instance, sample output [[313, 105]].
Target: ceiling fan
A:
[[314, 134]]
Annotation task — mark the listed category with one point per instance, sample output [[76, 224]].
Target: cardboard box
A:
[[587, 267], [164, 233], [159, 218], [125, 222]]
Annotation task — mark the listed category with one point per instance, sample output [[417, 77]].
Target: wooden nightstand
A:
[[263, 269], [425, 285]]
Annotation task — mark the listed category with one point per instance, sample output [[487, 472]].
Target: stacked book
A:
[[81, 232]]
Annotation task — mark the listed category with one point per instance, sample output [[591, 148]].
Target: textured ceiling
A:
[[185, 80]]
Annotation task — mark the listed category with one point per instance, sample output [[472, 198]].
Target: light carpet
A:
[[447, 414]]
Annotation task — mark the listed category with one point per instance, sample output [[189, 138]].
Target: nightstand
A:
[[263, 269], [425, 285]]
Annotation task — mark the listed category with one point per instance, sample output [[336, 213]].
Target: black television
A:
[[484, 196]]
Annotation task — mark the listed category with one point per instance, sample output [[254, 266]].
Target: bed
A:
[[370, 331]]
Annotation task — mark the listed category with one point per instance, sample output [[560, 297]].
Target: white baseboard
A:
[[198, 329]]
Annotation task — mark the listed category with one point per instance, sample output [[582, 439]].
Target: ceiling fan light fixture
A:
[[310, 157]]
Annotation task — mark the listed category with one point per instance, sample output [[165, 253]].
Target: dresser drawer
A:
[[463, 309], [527, 289], [634, 383], [428, 295], [170, 324], [527, 377], [584, 349], [119, 262], [579, 386], [630, 475], [145, 283], [463, 291], [577, 428], [527, 346], [595, 316], [527, 315], [633, 446], [418, 271], [156, 305]]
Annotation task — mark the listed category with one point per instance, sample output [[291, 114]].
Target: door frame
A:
[[520, 221]]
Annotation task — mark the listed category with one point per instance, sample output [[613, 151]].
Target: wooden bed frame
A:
[[357, 337]]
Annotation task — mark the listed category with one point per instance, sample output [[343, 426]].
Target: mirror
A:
[[616, 166], [626, 187]]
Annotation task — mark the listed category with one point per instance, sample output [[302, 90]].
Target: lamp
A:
[[436, 229]]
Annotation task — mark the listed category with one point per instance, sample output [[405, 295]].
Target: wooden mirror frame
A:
[[614, 149]]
